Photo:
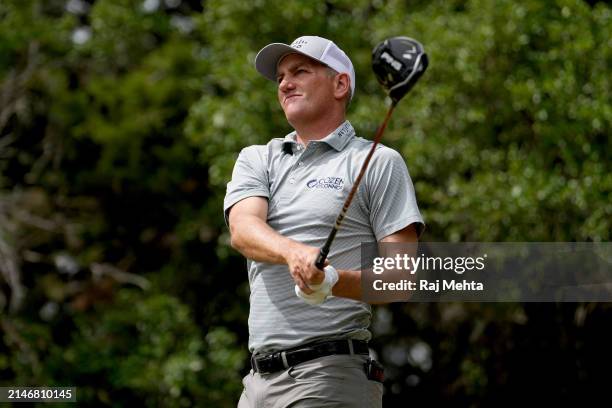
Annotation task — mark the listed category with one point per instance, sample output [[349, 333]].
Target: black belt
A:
[[281, 360]]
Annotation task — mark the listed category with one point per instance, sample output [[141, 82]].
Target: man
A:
[[310, 349]]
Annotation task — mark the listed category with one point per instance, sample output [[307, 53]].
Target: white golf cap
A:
[[317, 48]]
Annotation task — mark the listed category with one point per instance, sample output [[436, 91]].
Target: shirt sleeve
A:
[[249, 178], [391, 197]]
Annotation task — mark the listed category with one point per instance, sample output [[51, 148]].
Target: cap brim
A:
[[267, 58]]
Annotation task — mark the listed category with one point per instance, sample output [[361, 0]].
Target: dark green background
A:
[[120, 122]]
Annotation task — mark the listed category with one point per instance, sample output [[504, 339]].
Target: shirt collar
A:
[[338, 139]]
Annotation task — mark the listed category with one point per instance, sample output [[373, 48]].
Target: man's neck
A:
[[317, 130]]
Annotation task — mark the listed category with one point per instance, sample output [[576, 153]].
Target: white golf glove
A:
[[322, 290]]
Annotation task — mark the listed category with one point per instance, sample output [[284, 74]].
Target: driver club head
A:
[[398, 63]]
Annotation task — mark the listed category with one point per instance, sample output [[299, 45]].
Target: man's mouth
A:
[[289, 97]]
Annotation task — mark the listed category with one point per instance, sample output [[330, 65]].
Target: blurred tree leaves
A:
[[137, 348]]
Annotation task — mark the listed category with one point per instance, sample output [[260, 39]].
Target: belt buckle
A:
[[264, 359], [269, 361]]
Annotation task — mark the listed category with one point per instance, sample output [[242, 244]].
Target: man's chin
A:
[[293, 113]]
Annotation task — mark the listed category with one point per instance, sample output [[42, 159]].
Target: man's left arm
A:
[[394, 214], [394, 217], [349, 282]]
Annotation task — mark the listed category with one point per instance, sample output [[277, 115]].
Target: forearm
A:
[[256, 240], [349, 285]]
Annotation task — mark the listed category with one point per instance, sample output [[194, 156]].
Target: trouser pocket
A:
[[374, 370]]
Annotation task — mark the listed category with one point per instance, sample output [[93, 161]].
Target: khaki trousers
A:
[[337, 381]]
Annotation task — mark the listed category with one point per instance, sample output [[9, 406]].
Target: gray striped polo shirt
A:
[[305, 188]]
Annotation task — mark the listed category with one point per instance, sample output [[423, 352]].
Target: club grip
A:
[[320, 262]]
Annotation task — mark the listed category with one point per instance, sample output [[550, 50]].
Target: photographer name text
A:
[[428, 285]]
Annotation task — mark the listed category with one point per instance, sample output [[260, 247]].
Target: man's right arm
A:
[[255, 239], [251, 234]]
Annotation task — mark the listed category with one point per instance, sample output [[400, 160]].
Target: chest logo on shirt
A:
[[333, 183]]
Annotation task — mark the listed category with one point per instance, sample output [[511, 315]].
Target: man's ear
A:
[[342, 85]]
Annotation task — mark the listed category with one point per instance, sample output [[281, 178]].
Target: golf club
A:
[[398, 63]]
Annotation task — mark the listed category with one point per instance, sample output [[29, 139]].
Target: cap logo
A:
[[299, 43]]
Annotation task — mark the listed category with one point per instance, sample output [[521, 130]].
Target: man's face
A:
[[305, 88]]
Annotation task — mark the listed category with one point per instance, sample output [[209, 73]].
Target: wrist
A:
[[287, 249], [331, 277], [320, 291]]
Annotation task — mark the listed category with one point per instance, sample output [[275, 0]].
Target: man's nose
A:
[[286, 84]]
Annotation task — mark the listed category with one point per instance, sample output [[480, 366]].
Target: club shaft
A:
[[320, 262]]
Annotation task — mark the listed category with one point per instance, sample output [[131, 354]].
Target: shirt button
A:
[[292, 180], [300, 163]]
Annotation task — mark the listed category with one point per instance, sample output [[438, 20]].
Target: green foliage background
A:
[[120, 121]]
